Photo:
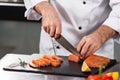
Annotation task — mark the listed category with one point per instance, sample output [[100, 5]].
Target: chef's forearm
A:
[[105, 32], [42, 7]]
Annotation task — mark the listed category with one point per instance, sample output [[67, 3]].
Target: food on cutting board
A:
[[46, 61], [74, 58], [85, 67], [92, 61], [95, 61]]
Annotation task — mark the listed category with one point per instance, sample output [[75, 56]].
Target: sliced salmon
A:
[[55, 63], [57, 58], [74, 58], [39, 62], [33, 65], [46, 61]]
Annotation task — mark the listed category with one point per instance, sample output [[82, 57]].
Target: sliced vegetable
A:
[[85, 67]]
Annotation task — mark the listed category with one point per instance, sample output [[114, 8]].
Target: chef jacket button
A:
[[84, 2], [58, 47], [79, 27]]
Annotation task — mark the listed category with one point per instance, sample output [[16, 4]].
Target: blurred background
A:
[[18, 35]]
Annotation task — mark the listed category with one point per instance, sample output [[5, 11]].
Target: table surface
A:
[[12, 75]]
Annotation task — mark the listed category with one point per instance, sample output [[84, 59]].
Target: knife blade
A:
[[62, 41]]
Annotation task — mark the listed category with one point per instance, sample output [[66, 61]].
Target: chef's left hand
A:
[[89, 44], [92, 42]]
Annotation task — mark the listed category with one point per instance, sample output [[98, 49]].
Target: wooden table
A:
[[12, 75]]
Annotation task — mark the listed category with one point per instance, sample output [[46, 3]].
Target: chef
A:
[[91, 26]]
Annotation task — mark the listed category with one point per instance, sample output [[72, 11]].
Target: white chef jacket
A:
[[79, 18]]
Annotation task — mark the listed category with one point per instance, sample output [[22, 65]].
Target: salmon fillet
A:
[[95, 61], [74, 58], [46, 61]]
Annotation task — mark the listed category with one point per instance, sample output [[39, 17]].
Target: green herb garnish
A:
[[22, 63]]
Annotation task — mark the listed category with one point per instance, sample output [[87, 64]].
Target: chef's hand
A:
[[50, 19], [91, 43]]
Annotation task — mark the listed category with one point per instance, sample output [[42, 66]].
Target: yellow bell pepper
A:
[[115, 75]]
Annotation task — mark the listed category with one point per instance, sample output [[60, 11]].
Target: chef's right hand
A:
[[50, 19]]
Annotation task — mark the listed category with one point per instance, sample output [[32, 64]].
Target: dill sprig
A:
[[22, 63]]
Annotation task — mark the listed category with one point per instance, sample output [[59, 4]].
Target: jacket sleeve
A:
[[113, 19], [30, 13]]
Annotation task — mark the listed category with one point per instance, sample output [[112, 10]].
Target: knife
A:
[[61, 40]]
